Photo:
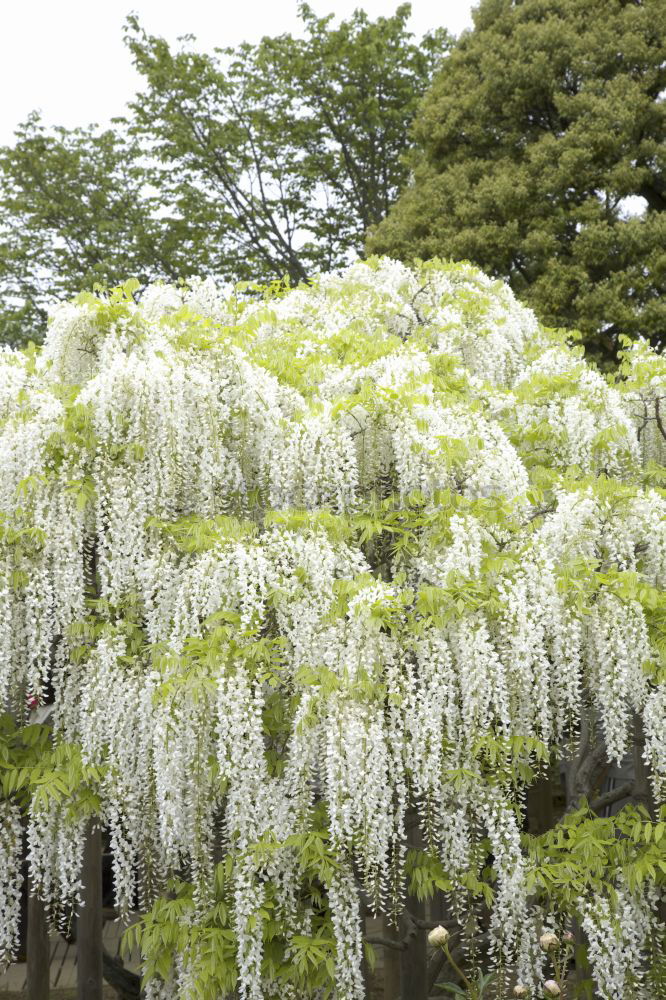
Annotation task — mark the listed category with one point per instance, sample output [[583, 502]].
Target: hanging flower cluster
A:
[[617, 935], [11, 843], [335, 553]]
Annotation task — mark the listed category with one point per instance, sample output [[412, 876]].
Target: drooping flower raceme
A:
[[11, 844], [295, 570]]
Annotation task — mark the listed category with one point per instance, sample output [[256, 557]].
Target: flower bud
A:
[[568, 938], [549, 941], [520, 991], [438, 937], [551, 989]]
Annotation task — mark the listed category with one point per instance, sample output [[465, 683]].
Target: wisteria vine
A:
[[299, 563]]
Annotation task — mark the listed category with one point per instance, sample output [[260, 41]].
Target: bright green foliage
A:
[[542, 122], [32, 769], [177, 925], [573, 859]]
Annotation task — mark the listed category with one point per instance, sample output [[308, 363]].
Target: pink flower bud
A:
[[551, 989]]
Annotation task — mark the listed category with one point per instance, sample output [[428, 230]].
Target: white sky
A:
[[67, 57]]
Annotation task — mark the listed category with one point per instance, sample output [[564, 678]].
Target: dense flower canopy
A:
[[296, 568]]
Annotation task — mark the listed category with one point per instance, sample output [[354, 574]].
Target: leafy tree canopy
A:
[[257, 162], [542, 129], [76, 212], [319, 585]]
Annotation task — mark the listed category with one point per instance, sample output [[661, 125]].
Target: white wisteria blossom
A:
[[11, 842], [317, 584], [618, 936]]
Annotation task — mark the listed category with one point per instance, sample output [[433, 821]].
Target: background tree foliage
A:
[[262, 161], [289, 149], [539, 126], [75, 212]]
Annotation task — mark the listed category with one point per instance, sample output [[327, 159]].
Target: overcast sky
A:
[[67, 58]]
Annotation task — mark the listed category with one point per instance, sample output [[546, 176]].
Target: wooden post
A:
[[89, 919], [38, 950]]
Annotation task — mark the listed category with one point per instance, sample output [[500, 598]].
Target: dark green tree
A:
[[256, 162], [540, 154]]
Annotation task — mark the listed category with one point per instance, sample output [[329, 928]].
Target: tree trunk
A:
[[585, 771], [583, 776], [414, 960], [540, 812], [38, 950], [89, 919], [126, 983], [391, 970], [642, 790]]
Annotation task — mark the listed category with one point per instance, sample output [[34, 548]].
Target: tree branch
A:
[[612, 796], [397, 944], [414, 924]]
